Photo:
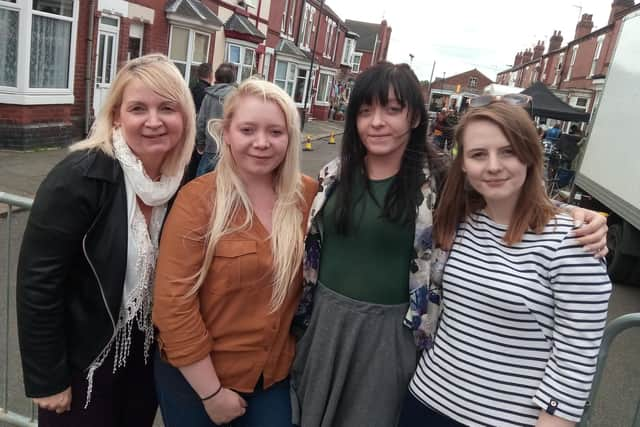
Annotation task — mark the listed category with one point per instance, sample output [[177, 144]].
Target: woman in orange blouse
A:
[[228, 279]]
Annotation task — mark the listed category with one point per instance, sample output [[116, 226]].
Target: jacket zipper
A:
[[104, 298]]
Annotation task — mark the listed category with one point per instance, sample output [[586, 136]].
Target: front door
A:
[[106, 59]]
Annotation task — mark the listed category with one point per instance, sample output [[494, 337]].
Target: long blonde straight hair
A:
[[158, 73], [231, 196]]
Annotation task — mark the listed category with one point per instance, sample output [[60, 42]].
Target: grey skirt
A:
[[353, 364]]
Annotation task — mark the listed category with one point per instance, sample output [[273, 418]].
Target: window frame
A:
[[22, 93], [473, 82], [189, 63], [574, 54], [596, 54], [243, 51], [353, 62], [348, 43], [326, 99]]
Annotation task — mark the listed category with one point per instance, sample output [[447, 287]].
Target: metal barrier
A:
[[617, 326], [5, 415]]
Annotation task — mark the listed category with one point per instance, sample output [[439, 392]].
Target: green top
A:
[[371, 263]]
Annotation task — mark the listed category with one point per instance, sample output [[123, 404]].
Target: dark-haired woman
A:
[[370, 225]]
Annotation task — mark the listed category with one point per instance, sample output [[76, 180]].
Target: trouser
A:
[[181, 406], [417, 414], [126, 398]]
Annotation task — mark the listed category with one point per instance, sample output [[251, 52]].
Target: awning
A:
[[239, 27], [192, 14], [546, 104]]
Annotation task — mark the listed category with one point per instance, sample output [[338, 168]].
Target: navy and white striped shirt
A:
[[520, 329]]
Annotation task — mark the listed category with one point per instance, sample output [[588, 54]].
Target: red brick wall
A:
[[463, 79]]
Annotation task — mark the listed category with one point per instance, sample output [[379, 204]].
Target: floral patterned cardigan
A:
[[425, 287]]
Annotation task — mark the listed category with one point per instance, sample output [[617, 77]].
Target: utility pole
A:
[[411, 59], [430, 85], [313, 57]]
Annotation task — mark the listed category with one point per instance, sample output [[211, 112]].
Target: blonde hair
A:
[[161, 76], [231, 197]]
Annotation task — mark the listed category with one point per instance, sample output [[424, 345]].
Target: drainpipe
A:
[[88, 82]]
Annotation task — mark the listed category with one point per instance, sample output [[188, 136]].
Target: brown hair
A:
[[458, 200]]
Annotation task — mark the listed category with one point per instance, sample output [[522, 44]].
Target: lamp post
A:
[[411, 59], [313, 57]]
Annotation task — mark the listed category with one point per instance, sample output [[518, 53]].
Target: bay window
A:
[[325, 83], [292, 78], [37, 41], [187, 50], [243, 59]]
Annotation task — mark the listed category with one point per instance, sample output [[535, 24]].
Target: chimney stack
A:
[[538, 50], [555, 41], [584, 26], [618, 6], [518, 59], [526, 56]]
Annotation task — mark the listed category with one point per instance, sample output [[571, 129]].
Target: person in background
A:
[[212, 108], [369, 301], [197, 92], [525, 306], [229, 271], [88, 256], [553, 133], [439, 128], [204, 81]]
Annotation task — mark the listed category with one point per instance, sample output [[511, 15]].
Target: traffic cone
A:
[[332, 138], [307, 144]]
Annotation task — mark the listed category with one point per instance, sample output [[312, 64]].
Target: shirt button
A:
[[554, 403]]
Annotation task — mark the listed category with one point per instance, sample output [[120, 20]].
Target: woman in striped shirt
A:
[[524, 306]]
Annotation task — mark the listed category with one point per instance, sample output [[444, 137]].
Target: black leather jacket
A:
[[71, 270]]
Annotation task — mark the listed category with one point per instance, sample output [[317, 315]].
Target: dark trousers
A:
[[125, 398], [417, 414], [181, 406]]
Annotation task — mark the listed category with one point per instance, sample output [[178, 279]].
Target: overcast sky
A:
[[464, 34]]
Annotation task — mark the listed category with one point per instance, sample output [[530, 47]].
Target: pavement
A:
[[21, 172]]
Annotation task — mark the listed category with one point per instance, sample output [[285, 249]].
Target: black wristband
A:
[[212, 395]]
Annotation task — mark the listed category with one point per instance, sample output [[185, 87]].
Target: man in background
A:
[[197, 92], [212, 108]]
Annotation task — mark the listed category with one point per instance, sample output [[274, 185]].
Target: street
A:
[[614, 406]]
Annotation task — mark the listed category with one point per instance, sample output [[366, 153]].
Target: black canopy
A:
[[546, 104]]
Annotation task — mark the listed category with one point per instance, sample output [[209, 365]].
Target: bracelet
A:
[[212, 395]]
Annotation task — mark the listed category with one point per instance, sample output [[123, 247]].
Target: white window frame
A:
[[355, 55], [244, 46], [335, 43], [190, 45], [22, 94], [544, 69], [323, 94], [307, 27], [132, 34], [283, 20], [556, 78], [473, 82], [327, 32], [348, 51], [291, 66], [596, 54], [291, 17], [296, 70], [574, 53], [250, 3]]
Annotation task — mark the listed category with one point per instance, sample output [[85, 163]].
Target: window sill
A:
[[36, 99]]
